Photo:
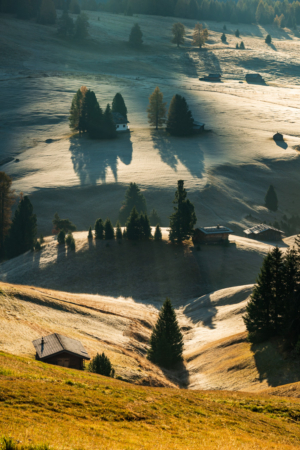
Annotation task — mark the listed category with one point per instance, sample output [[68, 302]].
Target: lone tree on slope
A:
[[156, 109], [133, 198], [6, 201], [268, 39], [118, 105], [200, 35], [101, 364], [271, 200], [136, 35], [166, 342], [183, 219], [180, 120], [223, 38], [178, 32]]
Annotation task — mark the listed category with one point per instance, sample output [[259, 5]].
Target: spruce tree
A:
[[180, 120], [183, 219], [118, 105], [22, 234], [6, 201], [223, 38], [133, 198], [136, 35], [154, 218], [157, 234], [109, 126], [156, 109], [133, 226], [81, 26], [108, 230], [75, 120], [178, 32], [99, 229], [268, 39], [145, 226], [271, 200], [237, 33], [90, 234], [101, 365], [119, 234], [166, 342]]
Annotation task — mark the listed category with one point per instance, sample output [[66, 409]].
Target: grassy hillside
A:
[[71, 410]]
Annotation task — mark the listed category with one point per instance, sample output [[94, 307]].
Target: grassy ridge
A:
[[71, 409]]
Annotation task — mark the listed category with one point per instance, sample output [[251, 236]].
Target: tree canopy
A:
[[178, 32], [180, 121], [271, 200], [136, 35], [200, 35], [133, 198], [156, 109], [118, 105], [183, 219]]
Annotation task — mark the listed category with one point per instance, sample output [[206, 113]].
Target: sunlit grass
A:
[[70, 409]]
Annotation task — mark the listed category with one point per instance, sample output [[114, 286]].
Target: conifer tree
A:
[[99, 229], [47, 13], [136, 35], [119, 234], [63, 224], [156, 109], [74, 7], [6, 201], [75, 120], [268, 39], [133, 226], [101, 365], [271, 200], [108, 230], [183, 219], [145, 226], [61, 237], [81, 26], [200, 35], [70, 241], [109, 126], [180, 120], [65, 26], [166, 342], [22, 234], [157, 234], [90, 234], [223, 38], [178, 32], [237, 33], [242, 46], [118, 105], [133, 198], [154, 218]]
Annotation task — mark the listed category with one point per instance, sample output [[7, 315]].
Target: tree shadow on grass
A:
[[180, 375], [93, 158], [173, 150]]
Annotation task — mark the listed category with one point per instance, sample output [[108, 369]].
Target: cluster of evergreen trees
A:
[[179, 121], [42, 10], [86, 115], [274, 307], [68, 28]]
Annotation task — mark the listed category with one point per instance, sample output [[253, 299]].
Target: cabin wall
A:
[[210, 238], [65, 360], [269, 235]]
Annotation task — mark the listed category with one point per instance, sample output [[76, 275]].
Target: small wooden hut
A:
[[254, 78], [211, 235], [61, 351], [264, 232], [212, 77]]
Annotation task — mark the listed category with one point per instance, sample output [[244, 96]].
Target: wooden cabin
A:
[[120, 121], [211, 235], [254, 78], [278, 137], [61, 351], [212, 77], [264, 232]]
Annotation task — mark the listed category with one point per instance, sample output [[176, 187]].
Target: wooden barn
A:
[[212, 77], [211, 235], [264, 232], [61, 351], [254, 78]]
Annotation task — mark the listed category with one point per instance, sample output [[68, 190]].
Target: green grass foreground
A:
[[48, 405]]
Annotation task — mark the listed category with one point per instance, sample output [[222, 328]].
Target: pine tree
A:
[[166, 342], [223, 38], [63, 224], [61, 237], [157, 234], [6, 201], [136, 35], [178, 32], [22, 234], [99, 229], [133, 198], [180, 120], [47, 13], [133, 226], [101, 365], [145, 226], [118, 105], [76, 110], [90, 234], [156, 109], [200, 35], [154, 218], [109, 126], [109, 230], [271, 200], [81, 26], [119, 234], [182, 221]]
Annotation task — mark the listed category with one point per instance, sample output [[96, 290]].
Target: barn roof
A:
[[119, 118], [56, 343], [257, 229], [216, 230]]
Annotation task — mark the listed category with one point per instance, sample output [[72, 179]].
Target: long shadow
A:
[[92, 159], [281, 144], [173, 150], [210, 61], [179, 376]]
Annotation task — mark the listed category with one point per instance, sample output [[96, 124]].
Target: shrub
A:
[[61, 237], [101, 364], [109, 230], [157, 234], [90, 235], [70, 241], [268, 39]]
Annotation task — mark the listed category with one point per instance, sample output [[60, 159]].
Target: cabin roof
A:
[[56, 343], [119, 118], [253, 75], [261, 228], [216, 230]]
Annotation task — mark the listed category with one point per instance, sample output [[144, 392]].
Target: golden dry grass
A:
[[71, 410]]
